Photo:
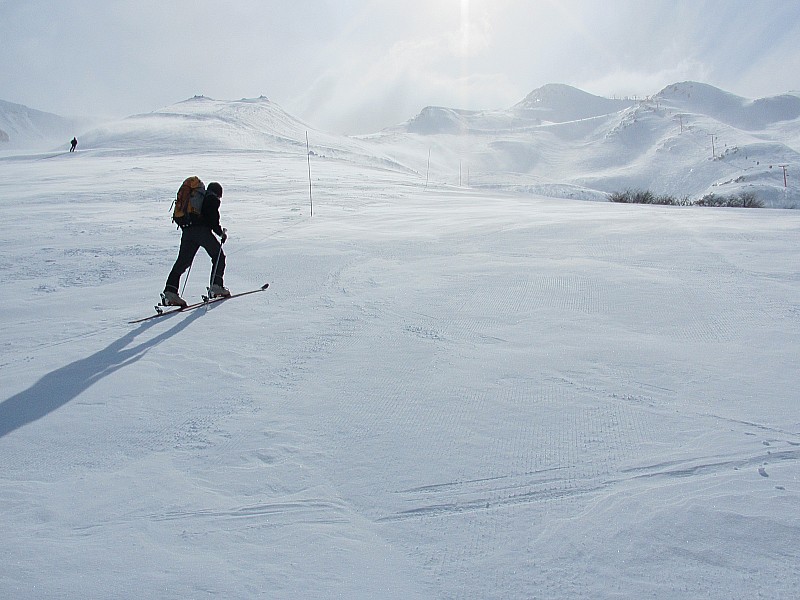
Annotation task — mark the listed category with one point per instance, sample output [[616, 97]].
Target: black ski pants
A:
[[193, 238]]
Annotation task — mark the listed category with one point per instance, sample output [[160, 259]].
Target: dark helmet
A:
[[215, 188]]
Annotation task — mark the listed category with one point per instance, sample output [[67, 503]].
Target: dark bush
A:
[[711, 200], [743, 200], [749, 200], [646, 197]]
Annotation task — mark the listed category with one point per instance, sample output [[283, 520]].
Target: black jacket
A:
[[210, 212]]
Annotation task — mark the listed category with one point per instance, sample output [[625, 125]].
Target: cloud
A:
[[392, 86]]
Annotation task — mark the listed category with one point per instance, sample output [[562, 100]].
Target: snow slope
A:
[[445, 392], [25, 128]]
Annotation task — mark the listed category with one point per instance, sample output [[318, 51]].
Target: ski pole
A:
[[216, 262], [185, 281]]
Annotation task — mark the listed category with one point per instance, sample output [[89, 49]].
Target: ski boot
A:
[[218, 291], [172, 299]]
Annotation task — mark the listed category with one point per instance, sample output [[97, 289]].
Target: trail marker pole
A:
[[308, 159], [784, 174], [428, 171]]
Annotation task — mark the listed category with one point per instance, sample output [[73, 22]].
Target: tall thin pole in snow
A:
[[428, 172], [784, 174], [308, 159]]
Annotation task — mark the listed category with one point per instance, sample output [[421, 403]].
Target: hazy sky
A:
[[355, 66]]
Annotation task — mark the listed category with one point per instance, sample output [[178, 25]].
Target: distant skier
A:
[[199, 233], [74, 143]]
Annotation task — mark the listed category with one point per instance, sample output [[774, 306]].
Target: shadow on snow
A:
[[57, 388]]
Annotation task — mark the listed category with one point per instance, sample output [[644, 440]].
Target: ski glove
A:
[[224, 235]]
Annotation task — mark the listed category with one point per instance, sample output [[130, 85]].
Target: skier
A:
[[74, 143], [200, 233]]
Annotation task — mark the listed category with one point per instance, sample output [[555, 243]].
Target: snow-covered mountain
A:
[[558, 103], [24, 128], [748, 115], [552, 103], [688, 140]]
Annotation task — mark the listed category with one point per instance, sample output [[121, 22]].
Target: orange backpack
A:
[[189, 202]]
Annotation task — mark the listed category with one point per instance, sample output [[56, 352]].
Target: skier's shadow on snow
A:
[[57, 388]]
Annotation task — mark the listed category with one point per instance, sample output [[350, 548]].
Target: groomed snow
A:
[[445, 392]]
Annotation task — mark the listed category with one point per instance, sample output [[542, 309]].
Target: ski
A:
[[206, 301]]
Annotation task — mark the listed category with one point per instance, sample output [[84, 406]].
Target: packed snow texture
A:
[[446, 392]]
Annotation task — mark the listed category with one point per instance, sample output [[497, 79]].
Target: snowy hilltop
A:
[[202, 125]]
